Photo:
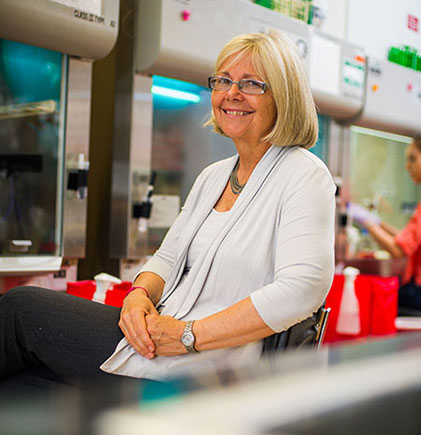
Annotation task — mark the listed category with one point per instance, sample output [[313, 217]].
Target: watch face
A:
[[187, 339]]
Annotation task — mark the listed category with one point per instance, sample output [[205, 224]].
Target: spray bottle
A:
[[349, 310]]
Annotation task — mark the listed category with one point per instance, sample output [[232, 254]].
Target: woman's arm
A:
[[137, 305], [389, 228], [237, 325], [385, 239]]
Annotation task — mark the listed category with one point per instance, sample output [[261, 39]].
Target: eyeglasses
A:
[[246, 86]]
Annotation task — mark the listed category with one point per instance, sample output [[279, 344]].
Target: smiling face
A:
[[243, 118], [413, 162]]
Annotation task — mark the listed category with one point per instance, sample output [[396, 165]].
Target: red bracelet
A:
[[136, 287]]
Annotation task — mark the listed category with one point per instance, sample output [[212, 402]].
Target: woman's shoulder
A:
[[305, 156], [299, 159]]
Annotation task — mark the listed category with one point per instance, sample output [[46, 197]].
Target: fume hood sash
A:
[[77, 27]]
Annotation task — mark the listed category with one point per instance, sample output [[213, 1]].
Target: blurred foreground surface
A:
[[367, 388]]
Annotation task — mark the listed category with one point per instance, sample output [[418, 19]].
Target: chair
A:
[[308, 333]]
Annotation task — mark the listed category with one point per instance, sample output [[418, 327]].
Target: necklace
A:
[[236, 187]]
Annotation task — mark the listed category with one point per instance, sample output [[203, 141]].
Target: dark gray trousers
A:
[[49, 338]]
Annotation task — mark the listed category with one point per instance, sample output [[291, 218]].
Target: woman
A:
[[251, 252], [401, 243]]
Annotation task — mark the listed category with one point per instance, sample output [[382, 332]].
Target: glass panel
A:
[[182, 147], [378, 176], [31, 149], [320, 149]]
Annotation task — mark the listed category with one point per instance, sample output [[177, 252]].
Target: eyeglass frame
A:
[[239, 85]]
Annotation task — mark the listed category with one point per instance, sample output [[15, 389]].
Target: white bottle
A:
[[349, 310], [104, 282]]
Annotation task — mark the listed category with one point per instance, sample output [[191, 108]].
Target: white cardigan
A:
[[276, 247]]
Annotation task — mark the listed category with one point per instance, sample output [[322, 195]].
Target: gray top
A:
[[277, 246]]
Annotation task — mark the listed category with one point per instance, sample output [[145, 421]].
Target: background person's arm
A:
[[389, 228], [385, 239], [383, 233]]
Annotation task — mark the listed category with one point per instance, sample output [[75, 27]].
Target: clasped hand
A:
[[147, 332]]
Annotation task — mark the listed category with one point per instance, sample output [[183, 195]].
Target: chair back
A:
[[308, 333]]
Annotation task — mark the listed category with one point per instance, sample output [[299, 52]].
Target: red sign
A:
[[413, 23]]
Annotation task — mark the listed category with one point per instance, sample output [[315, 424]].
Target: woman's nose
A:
[[234, 91]]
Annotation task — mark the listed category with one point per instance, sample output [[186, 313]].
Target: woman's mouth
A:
[[236, 112]]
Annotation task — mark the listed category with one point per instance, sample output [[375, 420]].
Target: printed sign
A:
[[413, 23]]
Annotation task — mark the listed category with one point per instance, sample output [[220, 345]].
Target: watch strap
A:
[[188, 329]]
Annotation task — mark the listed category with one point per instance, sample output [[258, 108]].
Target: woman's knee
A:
[[24, 296]]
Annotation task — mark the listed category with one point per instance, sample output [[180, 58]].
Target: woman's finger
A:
[[134, 329]]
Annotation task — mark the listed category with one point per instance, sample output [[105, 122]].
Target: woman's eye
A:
[[223, 80], [252, 84]]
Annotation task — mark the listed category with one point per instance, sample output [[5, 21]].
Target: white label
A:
[[165, 209], [91, 6]]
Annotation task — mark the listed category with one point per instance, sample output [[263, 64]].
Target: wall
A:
[[375, 24], [378, 24]]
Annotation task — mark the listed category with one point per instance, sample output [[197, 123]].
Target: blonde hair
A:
[[417, 142], [276, 60]]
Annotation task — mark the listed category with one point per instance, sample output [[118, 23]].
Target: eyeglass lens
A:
[[248, 86]]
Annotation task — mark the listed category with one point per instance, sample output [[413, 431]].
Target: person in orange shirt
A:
[[400, 243]]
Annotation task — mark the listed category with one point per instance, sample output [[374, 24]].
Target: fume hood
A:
[[46, 53], [393, 99], [182, 41]]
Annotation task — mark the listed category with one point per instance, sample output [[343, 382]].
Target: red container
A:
[[384, 305], [116, 295], [378, 301], [86, 289], [82, 289]]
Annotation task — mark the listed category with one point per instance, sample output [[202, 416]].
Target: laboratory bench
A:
[[381, 267]]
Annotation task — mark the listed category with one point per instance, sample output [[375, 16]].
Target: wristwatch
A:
[[188, 337]]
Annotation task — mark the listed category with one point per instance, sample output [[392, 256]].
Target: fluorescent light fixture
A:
[[382, 134], [174, 93]]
